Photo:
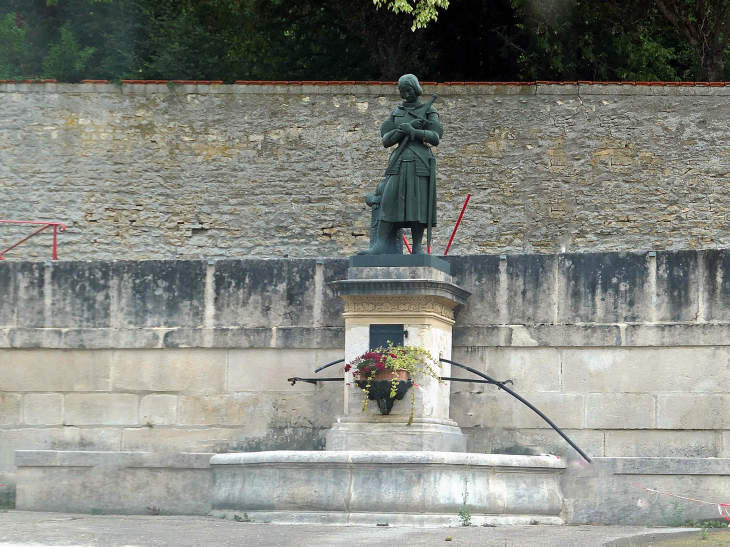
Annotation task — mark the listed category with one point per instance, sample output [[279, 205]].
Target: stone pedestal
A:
[[415, 291]]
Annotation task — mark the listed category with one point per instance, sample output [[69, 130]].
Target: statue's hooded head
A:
[[411, 80]]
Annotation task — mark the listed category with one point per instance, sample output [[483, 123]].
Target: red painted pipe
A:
[[406, 242], [457, 225]]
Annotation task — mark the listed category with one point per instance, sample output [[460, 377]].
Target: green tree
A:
[[110, 28], [183, 40], [14, 47], [706, 26], [325, 39], [275, 40], [596, 40], [571, 36], [357, 40], [423, 12], [464, 44], [66, 61]]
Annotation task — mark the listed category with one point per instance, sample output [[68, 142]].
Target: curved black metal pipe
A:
[[473, 381], [501, 385], [329, 365]]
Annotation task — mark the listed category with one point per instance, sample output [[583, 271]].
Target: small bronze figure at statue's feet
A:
[[392, 245]]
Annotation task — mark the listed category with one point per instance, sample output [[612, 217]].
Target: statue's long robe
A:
[[406, 190]]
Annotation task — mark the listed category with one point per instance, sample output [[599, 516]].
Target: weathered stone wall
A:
[[166, 355], [147, 171], [628, 353]]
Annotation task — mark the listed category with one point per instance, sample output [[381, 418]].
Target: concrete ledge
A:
[[613, 490], [669, 466], [161, 337], [594, 335], [389, 458], [57, 458], [112, 482]]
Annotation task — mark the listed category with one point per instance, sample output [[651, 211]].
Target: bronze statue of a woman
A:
[[406, 197]]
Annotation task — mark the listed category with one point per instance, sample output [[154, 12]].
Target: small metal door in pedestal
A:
[[380, 335]]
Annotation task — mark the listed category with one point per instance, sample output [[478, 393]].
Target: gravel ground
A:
[[25, 529]]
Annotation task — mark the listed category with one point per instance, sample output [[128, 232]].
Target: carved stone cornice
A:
[[444, 291], [384, 305]]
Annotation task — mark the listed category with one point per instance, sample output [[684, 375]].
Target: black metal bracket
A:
[[313, 380]]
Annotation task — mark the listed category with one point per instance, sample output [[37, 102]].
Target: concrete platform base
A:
[[406, 488], [369, 487]]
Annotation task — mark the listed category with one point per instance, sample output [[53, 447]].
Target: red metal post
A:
[[54, 256], [406, 242], [457, 225]]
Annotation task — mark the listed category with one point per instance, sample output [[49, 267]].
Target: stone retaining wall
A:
[[628, 353], [604, 492], [231, 171]]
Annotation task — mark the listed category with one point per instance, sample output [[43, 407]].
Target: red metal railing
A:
[[57, 227], [457, 224]]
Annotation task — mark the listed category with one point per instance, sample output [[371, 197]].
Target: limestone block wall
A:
[[169, 356], [214, 171], [627, 352]]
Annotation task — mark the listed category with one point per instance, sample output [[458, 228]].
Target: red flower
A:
[[394, 356], [347, 368], [380, 366], [365, 370]]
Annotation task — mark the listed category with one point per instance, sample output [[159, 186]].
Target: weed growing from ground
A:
[[244, 518]]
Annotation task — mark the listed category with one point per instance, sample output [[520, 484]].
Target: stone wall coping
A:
[[288, 337], [473, 336], [379, 88], [399, 287], [296, 457], [344, 259], [665, 466], [60, 458]]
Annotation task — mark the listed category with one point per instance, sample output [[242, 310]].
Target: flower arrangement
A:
[[394, 364]]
